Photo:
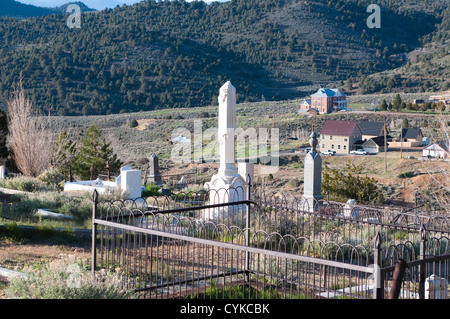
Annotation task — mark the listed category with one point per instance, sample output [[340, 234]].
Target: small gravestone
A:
[[154, 174], [130, 183], [436, 288]]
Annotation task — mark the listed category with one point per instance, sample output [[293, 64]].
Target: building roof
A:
[[307, 101], [411, 132], [371, 128], [328, 93], [379, 140], [338, 127], [442, 144]]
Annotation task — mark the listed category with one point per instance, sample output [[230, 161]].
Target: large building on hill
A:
[[325, 101]]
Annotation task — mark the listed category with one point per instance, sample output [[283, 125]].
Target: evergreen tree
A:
[[94, 152], [397, 102], [3, 135], [346, 184], [64, 151], [405, 123], [384, 106]]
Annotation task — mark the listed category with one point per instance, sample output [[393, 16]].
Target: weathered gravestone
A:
[[312, 193], [154, 173]]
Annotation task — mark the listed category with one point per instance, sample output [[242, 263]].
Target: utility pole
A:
[[401, 141], [385, 148], [315, 117], [347, 110]]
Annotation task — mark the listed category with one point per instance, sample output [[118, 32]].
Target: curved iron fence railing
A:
[[133, 234]]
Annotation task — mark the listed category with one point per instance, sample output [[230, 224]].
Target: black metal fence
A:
[[265, 246]]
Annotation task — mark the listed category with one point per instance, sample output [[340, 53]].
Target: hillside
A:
[[172, 54], [14, 9], [426, 68], [17, 10]]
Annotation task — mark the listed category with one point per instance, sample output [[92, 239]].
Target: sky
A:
[[94, 4]]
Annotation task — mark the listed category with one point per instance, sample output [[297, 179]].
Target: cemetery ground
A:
[[50, 240], [20, 246]]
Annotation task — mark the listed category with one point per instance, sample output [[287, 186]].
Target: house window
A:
[[331, 137], [332, 146], [345, 147], [323, 146], [339, 146], [345, 139]]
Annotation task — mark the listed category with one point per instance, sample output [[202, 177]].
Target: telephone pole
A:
[[385, 148], [401, 141]]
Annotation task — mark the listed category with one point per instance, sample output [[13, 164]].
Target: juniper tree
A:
[[346, 184], [64, 150], [94, 152]]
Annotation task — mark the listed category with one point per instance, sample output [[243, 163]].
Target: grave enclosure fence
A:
[[269, 245]]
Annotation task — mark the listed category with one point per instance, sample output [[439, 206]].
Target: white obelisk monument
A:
[[227, 185]]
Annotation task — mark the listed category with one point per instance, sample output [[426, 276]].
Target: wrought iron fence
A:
[[261, 247]]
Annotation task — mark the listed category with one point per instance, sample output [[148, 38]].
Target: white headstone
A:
[[130, 183], [436, 288], [2, 171], [349, 209], [122, 169]]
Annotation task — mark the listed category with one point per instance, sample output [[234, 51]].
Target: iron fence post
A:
[[94, 231], [378, 286], [397, 280], [423, 239], [247, 227]]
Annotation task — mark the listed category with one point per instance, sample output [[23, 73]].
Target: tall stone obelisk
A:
[[227, 185], [312, 193], [226, 131]]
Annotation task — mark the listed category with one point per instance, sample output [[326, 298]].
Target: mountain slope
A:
[[170, 54], [427, 68], [12, 8], [18, 10]]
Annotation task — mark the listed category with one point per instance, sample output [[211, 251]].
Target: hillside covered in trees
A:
[[18, 10], [170, 54]]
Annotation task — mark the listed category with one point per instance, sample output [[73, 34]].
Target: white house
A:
[[374, 145], [437, 150]]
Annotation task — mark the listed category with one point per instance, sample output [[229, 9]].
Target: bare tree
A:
[[29, 139]]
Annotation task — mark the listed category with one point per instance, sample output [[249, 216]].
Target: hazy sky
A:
[[94, 4]]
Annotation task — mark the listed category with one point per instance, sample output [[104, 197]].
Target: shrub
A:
[[24, 206], [407, 175], [53, 178], [133, 123], [12, 233], [151, 190], [23, 183], [293, 183], [67, 278]]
